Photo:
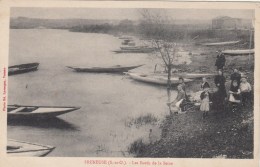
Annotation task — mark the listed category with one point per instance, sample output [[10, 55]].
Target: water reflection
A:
[[49, 123]]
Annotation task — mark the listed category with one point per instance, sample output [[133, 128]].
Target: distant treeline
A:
[[105, 28], [172, 32]]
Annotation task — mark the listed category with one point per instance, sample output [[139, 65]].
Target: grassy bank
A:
[[221, 134]]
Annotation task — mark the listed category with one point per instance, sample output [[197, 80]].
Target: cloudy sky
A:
[[133, 14]]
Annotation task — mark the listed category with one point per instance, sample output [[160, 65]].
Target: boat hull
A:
[[105, 70], [134, 51], [22, 68], [238, 52], [25, 149], [155, 79], [220, 43], [24, 112]]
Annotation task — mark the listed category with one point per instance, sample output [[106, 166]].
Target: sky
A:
[[132, 14]]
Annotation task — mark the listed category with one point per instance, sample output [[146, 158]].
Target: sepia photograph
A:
[[131, 82]]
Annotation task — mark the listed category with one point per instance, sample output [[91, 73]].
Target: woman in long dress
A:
[[221, 94]]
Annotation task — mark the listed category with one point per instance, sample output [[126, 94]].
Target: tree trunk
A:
[[169, 71]]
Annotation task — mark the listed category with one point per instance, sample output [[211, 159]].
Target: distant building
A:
[[225, 22]]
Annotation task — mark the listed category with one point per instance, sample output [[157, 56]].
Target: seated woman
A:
[[180, 97], [234, 95]]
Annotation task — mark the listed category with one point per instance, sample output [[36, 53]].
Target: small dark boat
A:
[[137, 50], [22, 68], [112, 69], [25, 149], [21, 111]]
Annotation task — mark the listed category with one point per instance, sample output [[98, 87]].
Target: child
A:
[[204, 84], [234, 95], [204, 106], [245, 89]]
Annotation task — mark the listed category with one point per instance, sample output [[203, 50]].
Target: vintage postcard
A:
[[129, 83]]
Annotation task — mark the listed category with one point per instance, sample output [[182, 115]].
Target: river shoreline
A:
[[221, 135]]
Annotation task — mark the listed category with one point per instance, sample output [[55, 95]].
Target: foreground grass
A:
[[189, 136]]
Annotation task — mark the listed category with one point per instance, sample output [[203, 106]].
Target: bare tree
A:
[[155, 26]]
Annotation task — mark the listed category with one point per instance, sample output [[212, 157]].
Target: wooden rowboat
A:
[[161, 80], [22, 68], [25, 149], [112, 69], [220, 43], [21, 111], [239, 52]]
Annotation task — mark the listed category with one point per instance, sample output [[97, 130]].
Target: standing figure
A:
[[220, 61], [245, 89], [235, 76], [221, 93], [234, 95], [204, 106], [182, 84]]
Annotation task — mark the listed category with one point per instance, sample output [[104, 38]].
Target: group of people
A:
[[238, 95]]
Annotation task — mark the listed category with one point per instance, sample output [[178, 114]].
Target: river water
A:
[[109, 102]]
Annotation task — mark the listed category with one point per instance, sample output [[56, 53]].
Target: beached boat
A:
[[22, 111], [239, 52], [22, 68], [161, 80], [25, 149], [220, 43], [111, 69]]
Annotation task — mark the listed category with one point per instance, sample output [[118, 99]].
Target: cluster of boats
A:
[[132, 48]]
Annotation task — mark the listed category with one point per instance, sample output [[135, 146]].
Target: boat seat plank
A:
[[17, 110]]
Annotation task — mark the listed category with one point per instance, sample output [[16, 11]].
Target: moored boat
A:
[[161, 80], [126, 41], [25, 149], [220, 43], [22, 111], [22, 68], [137, 50], [111, 69], [239, 52]]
